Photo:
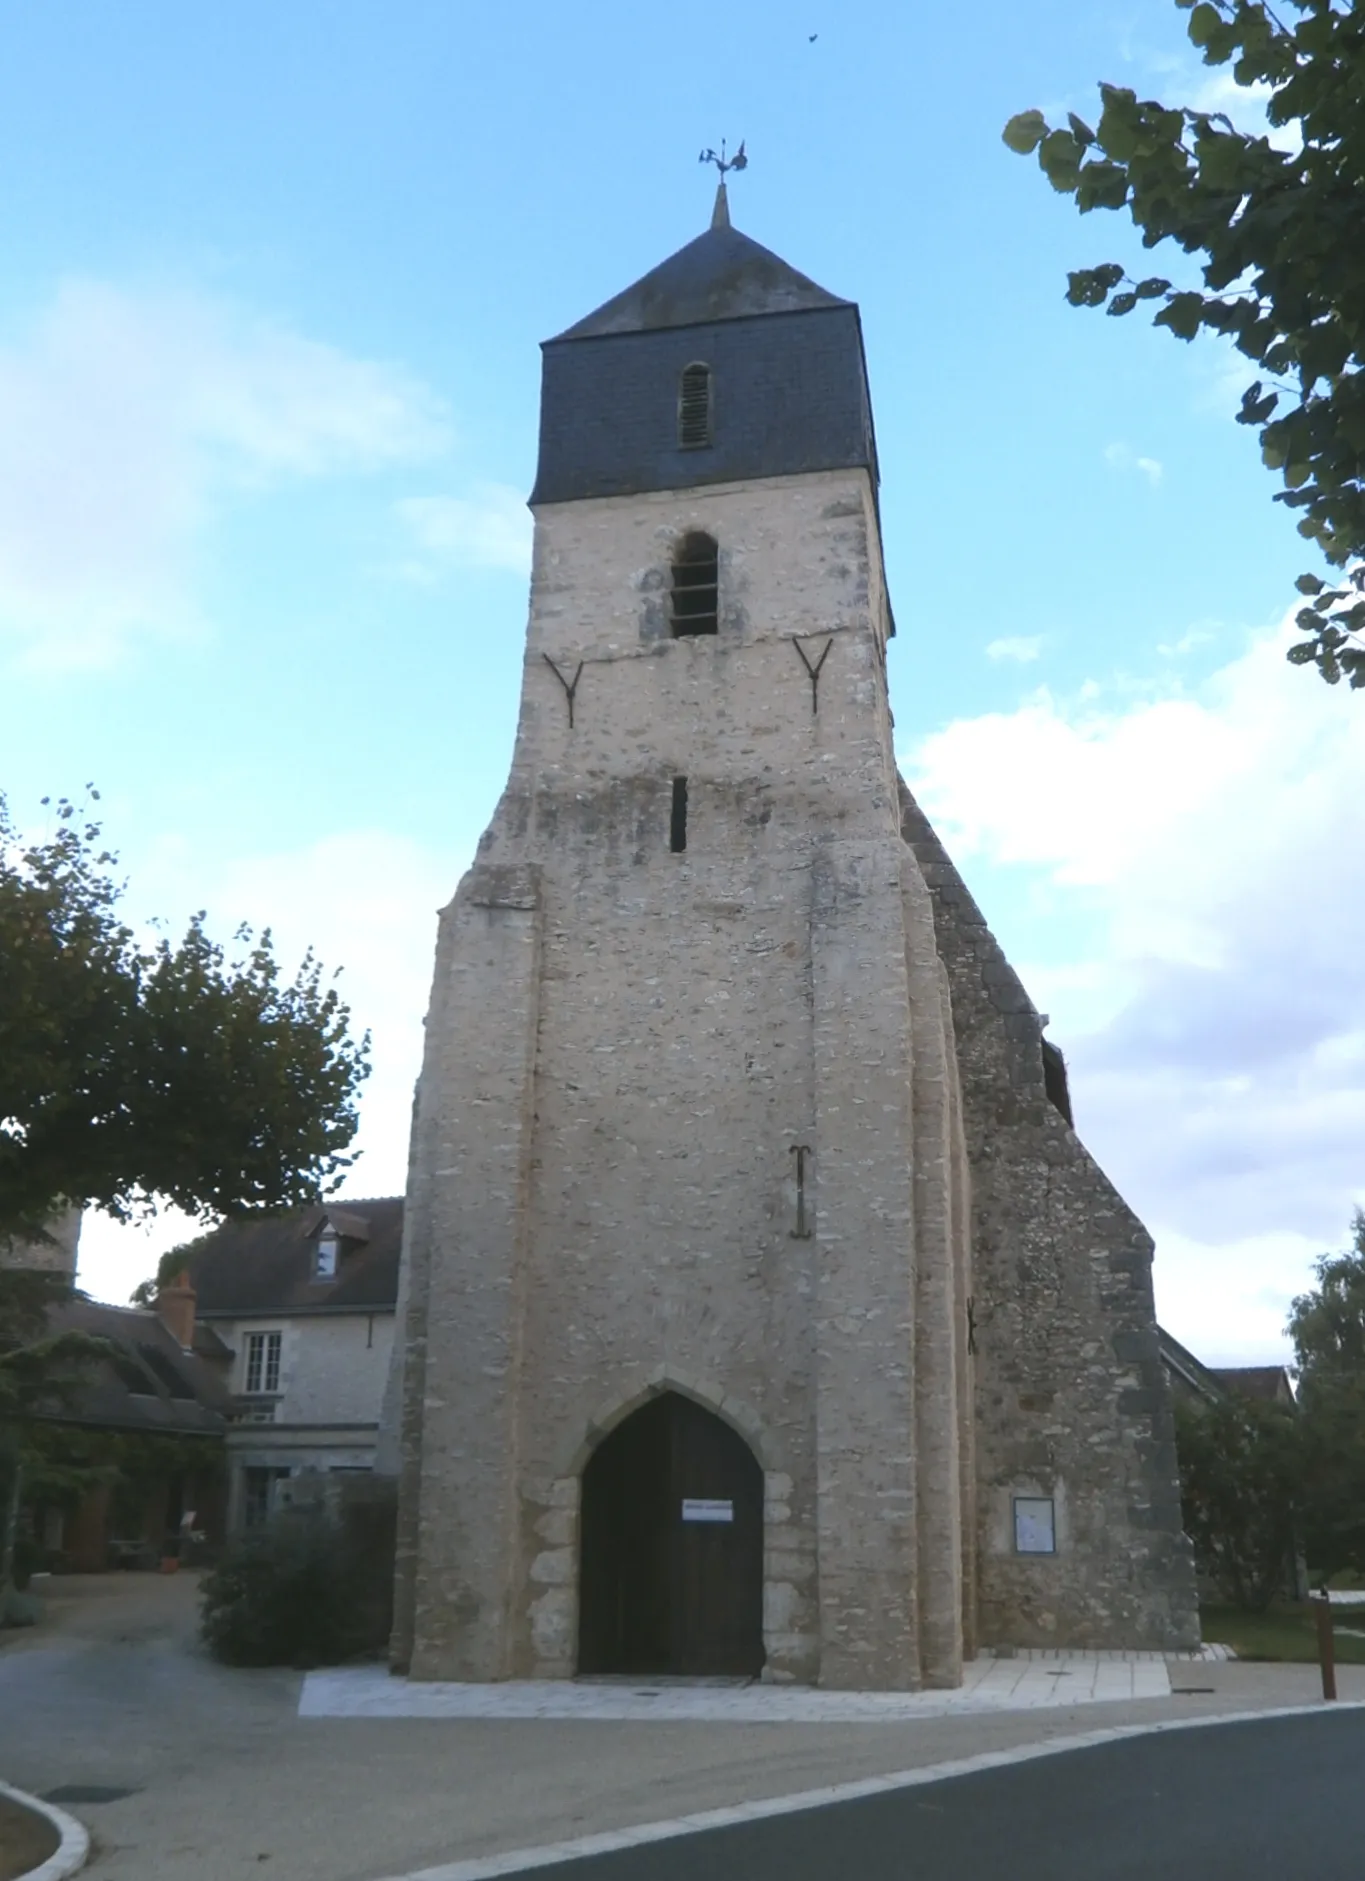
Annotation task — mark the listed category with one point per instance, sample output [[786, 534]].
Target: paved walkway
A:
[[989, 1685], [207, 1772]]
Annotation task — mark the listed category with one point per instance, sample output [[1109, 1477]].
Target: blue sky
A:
[[272, 282]]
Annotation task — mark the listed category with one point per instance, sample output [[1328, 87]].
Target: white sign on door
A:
[[702, 1510]]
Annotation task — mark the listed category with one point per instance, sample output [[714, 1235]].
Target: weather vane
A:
[[738, 162]]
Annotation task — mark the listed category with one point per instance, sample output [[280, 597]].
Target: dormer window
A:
[[326, 1254], [696, 585], [694, 407]]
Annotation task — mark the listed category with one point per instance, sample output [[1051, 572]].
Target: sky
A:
[[272, 283]]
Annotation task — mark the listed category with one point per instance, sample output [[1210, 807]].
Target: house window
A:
[[325, 1255], [694, 407], [696, 585], [677, 829], [263, 1362]]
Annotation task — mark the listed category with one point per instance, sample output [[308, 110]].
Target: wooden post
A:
[[1327, 1658]]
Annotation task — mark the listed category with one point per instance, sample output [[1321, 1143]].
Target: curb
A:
[[73, 1851], [517, 1861]]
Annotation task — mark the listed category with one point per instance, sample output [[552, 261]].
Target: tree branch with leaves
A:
[[1283, 265], [132, 1072]]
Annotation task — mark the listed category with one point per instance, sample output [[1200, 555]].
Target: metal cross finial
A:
[[738, 162]]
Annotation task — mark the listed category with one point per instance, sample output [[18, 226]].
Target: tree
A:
[[132, 1071], [1327, 1325], [1283, 264], [1239, 1477], [39, 1371]]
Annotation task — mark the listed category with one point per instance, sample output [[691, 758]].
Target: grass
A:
[[1285, 1632]]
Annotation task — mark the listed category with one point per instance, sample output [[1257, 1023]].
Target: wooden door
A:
[[671, 1562]]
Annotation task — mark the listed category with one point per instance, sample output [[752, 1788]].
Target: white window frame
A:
[[327, 1255], [264, 1355]]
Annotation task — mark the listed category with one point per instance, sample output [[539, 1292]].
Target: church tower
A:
[[762, 1313]]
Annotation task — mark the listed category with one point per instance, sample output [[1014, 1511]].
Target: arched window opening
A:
[[694, 407], [696, 585]]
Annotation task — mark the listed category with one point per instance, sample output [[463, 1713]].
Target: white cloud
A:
[[1021, 648], [1122, 457], [127, 417], [1206, 962], [491, 528], [366, 901]]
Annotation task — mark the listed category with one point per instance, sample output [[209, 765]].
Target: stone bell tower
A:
[[715, 1354]]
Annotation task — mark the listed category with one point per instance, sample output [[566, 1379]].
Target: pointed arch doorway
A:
[[671, 1560]]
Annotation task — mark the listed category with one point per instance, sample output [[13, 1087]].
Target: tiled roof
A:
[[251, 1267], [147, 1384]]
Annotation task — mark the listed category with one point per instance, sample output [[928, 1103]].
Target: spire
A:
[[720, 215]]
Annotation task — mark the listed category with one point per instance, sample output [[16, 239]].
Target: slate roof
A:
[[148, 1384], [1270, 1383], [257, 1268], [722, 275], [1267, 1382], [1180, 1361]]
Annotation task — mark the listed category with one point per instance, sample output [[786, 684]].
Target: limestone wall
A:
[[1070, 1396], [625, 1048]]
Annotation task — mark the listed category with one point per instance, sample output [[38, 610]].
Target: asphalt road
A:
[[1282, 1798]]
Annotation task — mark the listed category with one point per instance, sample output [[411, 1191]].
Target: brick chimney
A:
[[175, 1304]]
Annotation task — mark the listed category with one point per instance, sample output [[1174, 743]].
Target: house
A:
[[131, 1459], [1189, 1378], [302, 1307]]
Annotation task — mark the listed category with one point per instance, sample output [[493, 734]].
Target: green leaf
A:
[[1296, 475], [1088, 287], [1183, 314], [1205, 21], [1302, 653], [1080, 130], [1122, 304], [1152, 288], [1060, 156], [1309, 584], [1025, 131]]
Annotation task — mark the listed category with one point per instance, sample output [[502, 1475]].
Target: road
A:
[[201, 1773], [1280, 1798]]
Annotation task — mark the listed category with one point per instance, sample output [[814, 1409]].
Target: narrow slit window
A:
[[696, 586], [677, 833], [694, 408]]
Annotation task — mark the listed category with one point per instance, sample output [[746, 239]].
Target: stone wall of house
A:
[[333, 1366], [625, 1047], [1071, 1399]]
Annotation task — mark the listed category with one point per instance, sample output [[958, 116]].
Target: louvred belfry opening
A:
[[694, 408], [696, 585]]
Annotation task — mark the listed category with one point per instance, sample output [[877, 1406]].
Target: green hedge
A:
[[307, 1590]]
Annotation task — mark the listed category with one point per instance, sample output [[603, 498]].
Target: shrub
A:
[[299, 1592]]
